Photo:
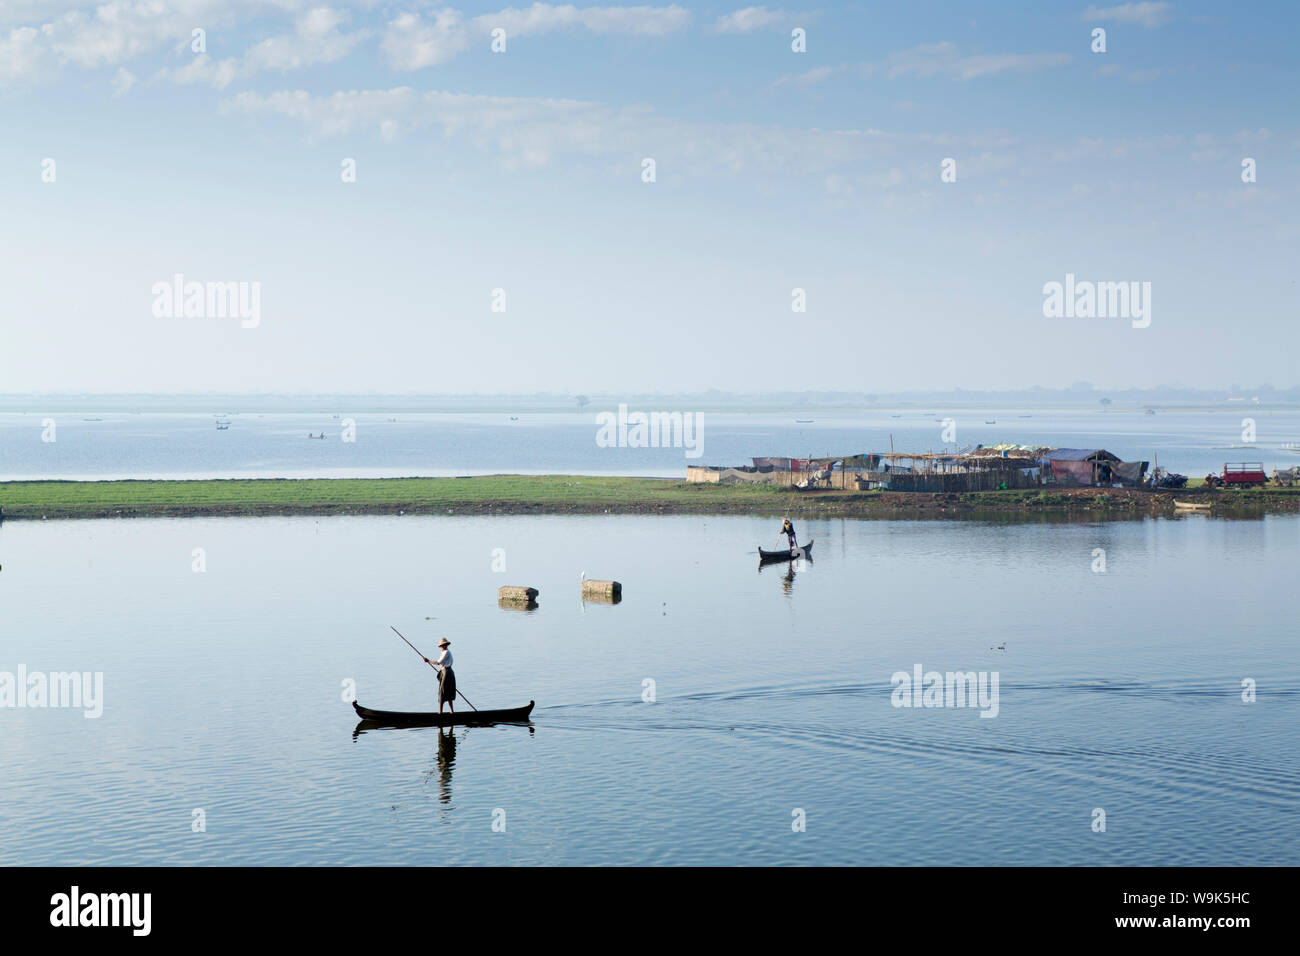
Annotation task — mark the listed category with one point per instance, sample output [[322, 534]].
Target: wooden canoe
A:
[[803, 551], [399, 718], [1193, 505]]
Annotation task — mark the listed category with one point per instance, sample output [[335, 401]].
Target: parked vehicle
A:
[[1245, 474]]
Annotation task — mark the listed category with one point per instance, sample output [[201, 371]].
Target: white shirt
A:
[[444, 659]]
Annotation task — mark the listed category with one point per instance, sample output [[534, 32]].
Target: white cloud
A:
[[120, 30], [749, 19], [23, 57], [316, 39], [543, 17], [205, 70], [944, 59], [123, 80], [411, 42], [115, 32], [1147, 14], [528, 131], [970, 67], [25, 11]]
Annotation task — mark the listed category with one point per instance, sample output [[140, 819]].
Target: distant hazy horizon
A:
[[1240, 396]]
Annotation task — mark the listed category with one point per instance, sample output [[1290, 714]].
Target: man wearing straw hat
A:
[[446, 677], [787, 529]]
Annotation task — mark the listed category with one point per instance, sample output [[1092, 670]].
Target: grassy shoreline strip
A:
[[563, 494]]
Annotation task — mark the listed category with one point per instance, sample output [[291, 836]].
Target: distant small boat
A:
[[316, 437], [1192, 505], [223, 428], [786, 555], [1291, 446], [1150, 411], [92, 419], [988, 421], [804, 421]]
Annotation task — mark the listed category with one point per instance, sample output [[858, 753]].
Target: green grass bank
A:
[[568, 494]]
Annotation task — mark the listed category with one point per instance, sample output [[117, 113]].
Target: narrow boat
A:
[[1192, 505], [399, 718], [804, 551]]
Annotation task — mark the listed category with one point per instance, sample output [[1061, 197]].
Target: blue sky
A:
[[522, 171]]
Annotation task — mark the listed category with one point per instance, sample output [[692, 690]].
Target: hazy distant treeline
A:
[[1078, 394]]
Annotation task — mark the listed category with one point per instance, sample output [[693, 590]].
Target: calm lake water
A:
[[159, 445], [224, 692]]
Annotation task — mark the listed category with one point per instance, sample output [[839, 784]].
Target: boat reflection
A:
[[791, 569], [388, 720], [446, 761], [367, 726], [447, 746]]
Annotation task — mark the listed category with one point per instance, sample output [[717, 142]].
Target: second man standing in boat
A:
[[787, 529], [446, 677]]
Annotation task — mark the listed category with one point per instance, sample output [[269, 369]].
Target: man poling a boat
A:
[[787, 529], [446, 677], [446, 695]]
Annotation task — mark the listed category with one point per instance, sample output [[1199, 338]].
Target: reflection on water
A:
[[446, 761], [1120, 689], [789, 570]]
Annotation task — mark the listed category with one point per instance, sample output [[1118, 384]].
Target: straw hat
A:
[[444, 643]]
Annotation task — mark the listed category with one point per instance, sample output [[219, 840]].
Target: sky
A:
[[502, 232]]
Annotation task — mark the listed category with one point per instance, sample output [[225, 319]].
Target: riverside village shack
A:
[[978, 468]]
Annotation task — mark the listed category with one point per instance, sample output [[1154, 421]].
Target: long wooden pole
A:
[[431, 664]]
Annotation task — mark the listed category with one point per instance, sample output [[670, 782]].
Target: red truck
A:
[[1246, 474]]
